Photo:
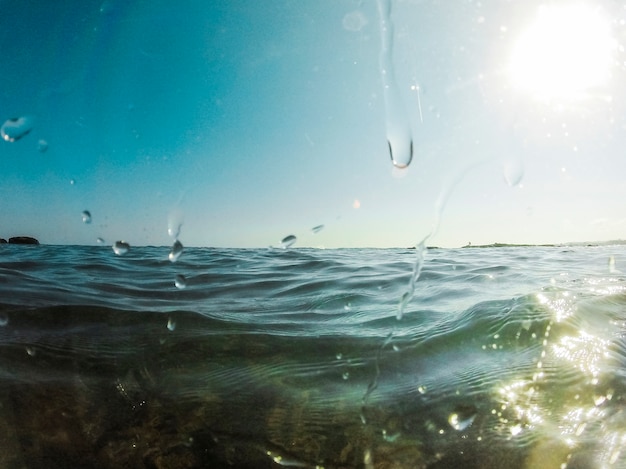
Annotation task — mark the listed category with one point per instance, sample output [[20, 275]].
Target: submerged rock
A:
[[23, 240]]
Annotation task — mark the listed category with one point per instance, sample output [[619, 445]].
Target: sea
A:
[[153, 357]]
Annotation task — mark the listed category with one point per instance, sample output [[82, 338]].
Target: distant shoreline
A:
[[615, 242]]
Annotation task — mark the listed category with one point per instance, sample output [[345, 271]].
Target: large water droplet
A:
[[399, 136], [317, 229], [121, 247], [100, 240], [15, 128], [287, 241], [176, 251], [180, 281], [513, 171], [42, 146], [86, 215], [400, 149]]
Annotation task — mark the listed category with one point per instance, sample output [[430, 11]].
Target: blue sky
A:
[[249, 121]]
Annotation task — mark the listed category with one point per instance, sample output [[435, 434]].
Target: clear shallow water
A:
[[505, 357]]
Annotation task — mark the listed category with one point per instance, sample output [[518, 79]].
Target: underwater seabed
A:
[[103, 388]]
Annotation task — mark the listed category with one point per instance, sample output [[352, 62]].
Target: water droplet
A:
[[390, 437], [354, 21], [121, 247], [86, 215], [287, 241], [339, 356], [4, 319], [72, 182], [171, 324], [180, 281], [513, 171], [176, 251], [15, 128], [100, 240], [317, 229], [462, 418], [400, 150], [31, 351], [42, 146], [174, 223], [346, 375], [399, 136]]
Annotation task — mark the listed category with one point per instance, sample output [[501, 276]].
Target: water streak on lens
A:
[[176, 251], [317, 229], [399, 136], [15, 128], [4, 319], [121, 247], [86, 215]]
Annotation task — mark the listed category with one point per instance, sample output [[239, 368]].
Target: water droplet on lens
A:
[[180, 281], [72, 182], [86, 217], [174, 223], [317, 229], [287, 241], [15, 128], [176, 251], [4, 319], [401, 153], [513, 171], [171, 324], [462, 418], [100, 241], [346, 375], [121, 247], [354, 21], [42, 146], [31, 351]]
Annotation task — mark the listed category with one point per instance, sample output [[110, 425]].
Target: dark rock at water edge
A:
[[3, 241], [23, 240]]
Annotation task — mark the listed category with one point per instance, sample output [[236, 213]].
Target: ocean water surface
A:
[[508, 357]]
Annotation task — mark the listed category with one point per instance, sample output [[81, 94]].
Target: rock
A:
[[23, 240], [3, 241]]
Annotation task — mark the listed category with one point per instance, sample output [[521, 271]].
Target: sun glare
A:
[[566, 52]]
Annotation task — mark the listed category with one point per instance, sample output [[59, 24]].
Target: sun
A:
[[566, 52]]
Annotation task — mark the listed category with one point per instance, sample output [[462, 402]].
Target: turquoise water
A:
[[505, 357]]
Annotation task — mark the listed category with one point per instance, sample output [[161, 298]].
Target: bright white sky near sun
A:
[[248, 121]]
